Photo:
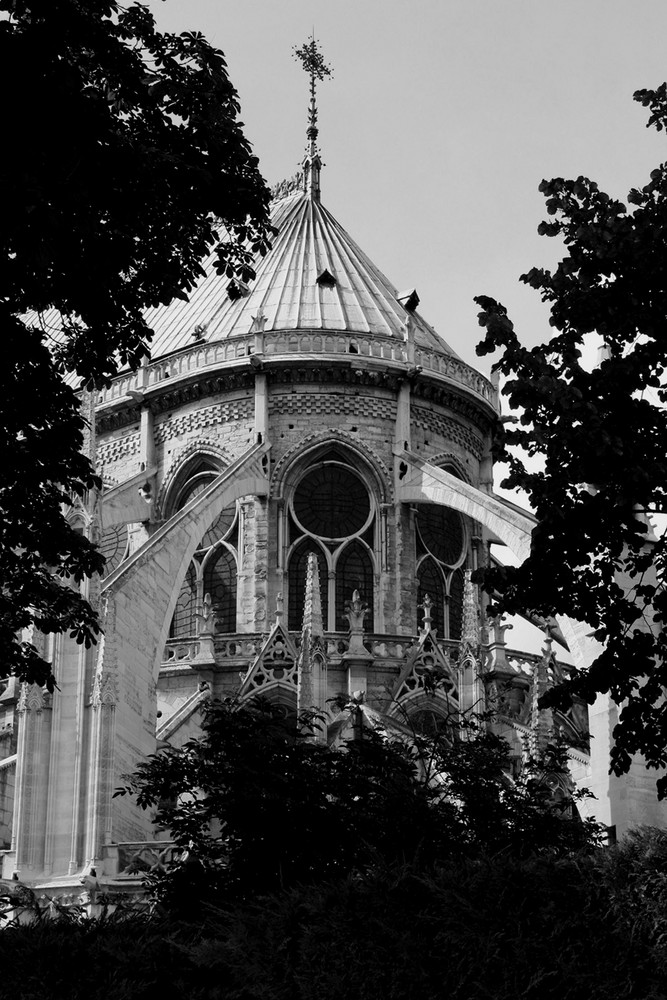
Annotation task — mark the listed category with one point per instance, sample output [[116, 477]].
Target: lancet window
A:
[[441, 547], [213, 569], [333, 514]]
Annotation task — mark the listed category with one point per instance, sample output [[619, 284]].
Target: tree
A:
[[601, 437], [256, 805], [124, 165]]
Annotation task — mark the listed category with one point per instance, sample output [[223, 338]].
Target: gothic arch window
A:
[[332, 511], [184, 621], [354, 571], [430, 722], [297, 582], [193, 480], [431, 582], [220, 574], [455, 604], [114, 546], [441, 548], [214, 568]]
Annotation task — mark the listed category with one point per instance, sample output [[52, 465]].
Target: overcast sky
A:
[[441, 120]]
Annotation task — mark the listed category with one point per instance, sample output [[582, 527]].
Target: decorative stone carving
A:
[[104, 691]]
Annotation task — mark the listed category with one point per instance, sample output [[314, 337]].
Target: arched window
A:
[[184, 622], [455, 605], [428, 722], [332, 513], [220, 583], [297, 583], [191, 482], [431, 582], [114, 546], [354, 571], [441, 546], [211, 572]]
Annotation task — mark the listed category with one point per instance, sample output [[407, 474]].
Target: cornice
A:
[[360, 372]]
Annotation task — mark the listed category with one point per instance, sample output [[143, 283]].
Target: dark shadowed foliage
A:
[[600, 435], [123, 165]]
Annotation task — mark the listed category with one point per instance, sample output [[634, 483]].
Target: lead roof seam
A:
[[291, 224], [298, 254], [306, 235], [353, 266], [318, 291], [331, 253]]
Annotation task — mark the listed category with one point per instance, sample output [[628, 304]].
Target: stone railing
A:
[[180, 651], [202, 357], [137, 858], [458, 371], [523, 664], [240, 648]]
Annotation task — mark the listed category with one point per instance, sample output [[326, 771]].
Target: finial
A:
[[426, 604], [470, 636], [311, 59]]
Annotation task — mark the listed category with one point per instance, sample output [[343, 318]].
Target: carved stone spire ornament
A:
[[355, 612], [311, 681], [311, 59], [426, 604], [470, 666], [542, 718]]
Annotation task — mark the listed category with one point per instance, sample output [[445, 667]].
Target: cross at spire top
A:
[[310, 57]]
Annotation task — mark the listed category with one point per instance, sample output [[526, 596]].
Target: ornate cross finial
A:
[[311, 59]]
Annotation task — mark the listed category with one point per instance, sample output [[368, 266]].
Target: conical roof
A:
[[315, 277]]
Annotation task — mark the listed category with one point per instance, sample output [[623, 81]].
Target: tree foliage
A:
[[600, 435], [593, 925], [124, 165], [257, 805]]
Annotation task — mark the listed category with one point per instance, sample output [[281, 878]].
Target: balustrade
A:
[[202, 356]]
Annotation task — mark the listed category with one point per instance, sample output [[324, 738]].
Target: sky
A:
[[441, 120]]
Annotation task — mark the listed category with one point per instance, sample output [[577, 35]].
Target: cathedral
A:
[[297, 489]]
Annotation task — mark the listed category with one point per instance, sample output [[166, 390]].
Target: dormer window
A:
[[409, 299], [326, 279]]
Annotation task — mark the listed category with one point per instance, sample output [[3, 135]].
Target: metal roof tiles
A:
[[287, 293]]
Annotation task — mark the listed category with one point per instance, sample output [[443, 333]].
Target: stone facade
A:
[[324, 438]]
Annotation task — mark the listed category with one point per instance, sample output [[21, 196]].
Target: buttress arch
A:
[[421, 482]]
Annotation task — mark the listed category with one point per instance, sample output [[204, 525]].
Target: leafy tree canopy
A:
[[124, 165], [257, 805], [601, 437]]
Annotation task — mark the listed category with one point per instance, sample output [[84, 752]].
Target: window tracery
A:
[[441, 550], [214, 568], [332, 513]]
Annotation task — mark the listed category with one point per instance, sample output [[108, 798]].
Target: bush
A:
[[494, 927], [257, 805]]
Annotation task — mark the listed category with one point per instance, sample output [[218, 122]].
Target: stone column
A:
[[101, 772], [32, 781]]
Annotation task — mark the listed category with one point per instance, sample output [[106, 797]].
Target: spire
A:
[[311, 59], [470, 637], [542, 718], [312, 611], [311, 677]]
